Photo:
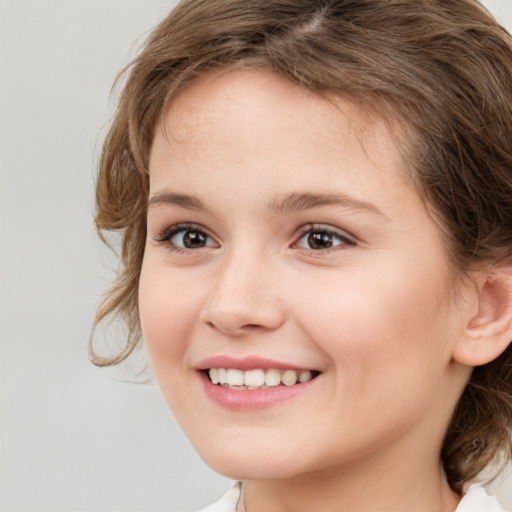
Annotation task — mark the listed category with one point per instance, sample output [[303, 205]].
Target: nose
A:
[[244, 297]]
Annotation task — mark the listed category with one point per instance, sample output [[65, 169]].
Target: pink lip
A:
[[246, 363], [249, 400]]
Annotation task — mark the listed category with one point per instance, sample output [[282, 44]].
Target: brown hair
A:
[[442, 67]]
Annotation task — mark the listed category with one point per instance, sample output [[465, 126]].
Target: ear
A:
[[489, 332]]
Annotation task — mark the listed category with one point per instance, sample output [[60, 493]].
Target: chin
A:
[[251, 471], [250, 464]]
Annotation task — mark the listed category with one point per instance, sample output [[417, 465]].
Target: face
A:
[[295, 294]]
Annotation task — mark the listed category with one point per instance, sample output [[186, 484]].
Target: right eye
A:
[[186, 238]]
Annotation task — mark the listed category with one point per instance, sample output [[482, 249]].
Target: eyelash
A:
[[168, 233], [343, 238]]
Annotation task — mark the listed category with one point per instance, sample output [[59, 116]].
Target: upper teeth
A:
[[258, 378]]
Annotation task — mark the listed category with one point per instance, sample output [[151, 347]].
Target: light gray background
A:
[[71, 437]]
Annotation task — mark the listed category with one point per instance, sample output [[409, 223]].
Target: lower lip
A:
[[247, 400]]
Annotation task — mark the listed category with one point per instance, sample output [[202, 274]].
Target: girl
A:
[[316, 207]]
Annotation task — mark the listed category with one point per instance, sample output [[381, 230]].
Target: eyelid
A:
[[168, 232], [308, 228]]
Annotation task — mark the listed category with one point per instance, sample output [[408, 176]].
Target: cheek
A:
[[381, 330], [167, 313]]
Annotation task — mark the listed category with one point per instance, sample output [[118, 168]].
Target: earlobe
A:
[[489, 331]]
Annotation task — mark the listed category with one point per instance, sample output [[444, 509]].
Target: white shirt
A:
[[475, 499]]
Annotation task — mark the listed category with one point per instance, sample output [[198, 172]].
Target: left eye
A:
[[190, 239], [318, 239]]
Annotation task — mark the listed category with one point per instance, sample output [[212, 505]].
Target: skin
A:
[[375, 313]]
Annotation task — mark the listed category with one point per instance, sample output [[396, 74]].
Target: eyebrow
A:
[[182, 200], [297, 201], [286, 203]]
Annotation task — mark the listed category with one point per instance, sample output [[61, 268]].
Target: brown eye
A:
[[194, 239], [320, 238], [188, 238]]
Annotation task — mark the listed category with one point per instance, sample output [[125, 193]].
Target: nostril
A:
[[236, 330], [252, 327]]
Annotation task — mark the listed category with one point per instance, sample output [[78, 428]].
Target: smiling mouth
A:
[[232, 378]]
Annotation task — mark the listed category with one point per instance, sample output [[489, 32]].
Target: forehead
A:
[[236, 113]]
